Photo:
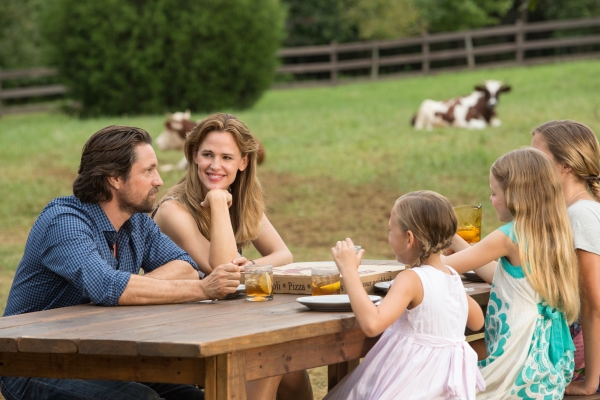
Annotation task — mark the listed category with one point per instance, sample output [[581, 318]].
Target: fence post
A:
[[334, 59], [469, 48], [375, 62], [520, 39], [425, 46]]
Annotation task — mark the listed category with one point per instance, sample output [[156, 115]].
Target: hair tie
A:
[[592, 178]]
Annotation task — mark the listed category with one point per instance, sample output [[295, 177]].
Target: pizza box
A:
[[295, 278]]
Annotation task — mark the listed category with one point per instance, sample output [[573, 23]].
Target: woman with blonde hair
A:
[[534, 285], [217, 209], [575, 151]]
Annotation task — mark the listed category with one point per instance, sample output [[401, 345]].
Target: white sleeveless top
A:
[[423, 355]]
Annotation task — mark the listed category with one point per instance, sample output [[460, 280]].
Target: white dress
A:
[[423, 355]]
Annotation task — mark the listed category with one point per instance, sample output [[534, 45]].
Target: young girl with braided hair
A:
[[528, 343], [422, 353], [574, 149]]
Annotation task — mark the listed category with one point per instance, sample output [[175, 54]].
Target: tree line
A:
[[144, 56]]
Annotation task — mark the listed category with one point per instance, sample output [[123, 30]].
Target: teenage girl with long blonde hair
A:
[[575, 151], [535, 291], [218, 208]]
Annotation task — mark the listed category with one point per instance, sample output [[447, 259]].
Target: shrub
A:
[[149, 56]]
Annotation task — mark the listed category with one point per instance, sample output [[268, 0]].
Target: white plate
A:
[[383, 286], [472, 276], [334, 302]]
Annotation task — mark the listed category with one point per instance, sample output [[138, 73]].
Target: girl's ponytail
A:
[[594, 187]]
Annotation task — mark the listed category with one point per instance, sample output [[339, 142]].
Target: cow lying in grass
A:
[[475, 111], [177, 126]]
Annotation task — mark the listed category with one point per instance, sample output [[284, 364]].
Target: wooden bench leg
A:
[[337, 372], [226, 377], [210, 380], [479, 347]]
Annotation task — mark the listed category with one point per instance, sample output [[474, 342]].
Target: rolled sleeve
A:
[[73, 254], [160, 249]]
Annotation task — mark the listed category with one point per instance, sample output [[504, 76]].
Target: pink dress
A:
[[423, 355]]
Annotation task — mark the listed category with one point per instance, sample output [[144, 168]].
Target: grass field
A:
[[337, 157]]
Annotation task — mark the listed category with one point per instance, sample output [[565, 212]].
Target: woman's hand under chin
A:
[[214, 196]]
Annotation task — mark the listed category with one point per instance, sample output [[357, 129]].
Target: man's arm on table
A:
[[140, 290], [173, 270], [74, 255], [175, 275]]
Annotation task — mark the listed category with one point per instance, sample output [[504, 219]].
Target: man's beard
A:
[[130, 207]]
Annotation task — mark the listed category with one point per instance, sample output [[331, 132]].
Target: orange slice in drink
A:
[[266, 285], [332, 287]]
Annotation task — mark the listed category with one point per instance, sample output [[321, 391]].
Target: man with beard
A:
[[90, 247]]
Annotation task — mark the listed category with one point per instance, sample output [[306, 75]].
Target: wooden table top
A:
[[178, 330]]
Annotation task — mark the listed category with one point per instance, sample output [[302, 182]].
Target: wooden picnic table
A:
[[218, 345]]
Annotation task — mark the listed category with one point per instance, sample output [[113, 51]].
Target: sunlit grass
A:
[[354, 135]]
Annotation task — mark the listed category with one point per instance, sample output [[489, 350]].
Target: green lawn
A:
[[336, 157]]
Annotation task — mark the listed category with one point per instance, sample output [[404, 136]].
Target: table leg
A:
[[210, 379], [226, 377], [336, 372]]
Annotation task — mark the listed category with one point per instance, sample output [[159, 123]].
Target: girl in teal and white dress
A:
[[528, 343]]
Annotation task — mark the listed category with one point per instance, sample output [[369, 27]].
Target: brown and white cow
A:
[[475, 111], [177, 126]]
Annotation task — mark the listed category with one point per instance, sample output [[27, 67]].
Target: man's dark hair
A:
[[110, 152]]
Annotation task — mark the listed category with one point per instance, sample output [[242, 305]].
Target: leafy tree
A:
[[385, 19], [566, 9], [20, 45], [150, 56], [454, 15], [312, 22]]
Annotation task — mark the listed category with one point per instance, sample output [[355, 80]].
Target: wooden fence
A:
[[419, 55], [519, 44], [28, 92]]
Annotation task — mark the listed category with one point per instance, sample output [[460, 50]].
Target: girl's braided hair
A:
[[431, 219]]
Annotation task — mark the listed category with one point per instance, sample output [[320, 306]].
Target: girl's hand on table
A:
[[216, 196], [346, 257], [581, 388]]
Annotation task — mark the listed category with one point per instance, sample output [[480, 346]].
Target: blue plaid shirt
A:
[[69, 257]]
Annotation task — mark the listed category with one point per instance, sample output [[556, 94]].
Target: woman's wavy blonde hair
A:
[[575, 145], [534, 197], [247, 206], [431, 219]]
